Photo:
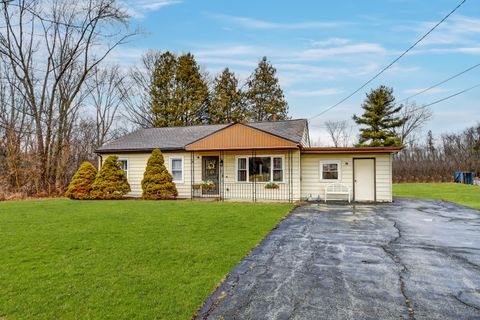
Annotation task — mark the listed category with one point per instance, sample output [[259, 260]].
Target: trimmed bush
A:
[[82, 181], [157, 181], [111, 181]]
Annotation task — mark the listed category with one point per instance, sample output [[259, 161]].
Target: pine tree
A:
[[227, 103], [82, 181], [381, 118], [191, 92], [162, 91], [111, 181], [179, 92], [264, 94], [157, 181]]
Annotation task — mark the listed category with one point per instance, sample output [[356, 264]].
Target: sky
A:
[[324, 50]]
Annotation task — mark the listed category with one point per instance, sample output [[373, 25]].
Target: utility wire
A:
[[392, 63], [450, 96], [445, 98], [442, 82]]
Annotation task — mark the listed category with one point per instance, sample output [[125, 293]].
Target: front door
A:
[[364, 179], [210, 172]]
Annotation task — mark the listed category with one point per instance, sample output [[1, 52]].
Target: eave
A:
[[330, 150]]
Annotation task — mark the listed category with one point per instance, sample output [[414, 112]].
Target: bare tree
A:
[[415, 117], [138, 101], [52, 49], [340, 132], [107, 92]]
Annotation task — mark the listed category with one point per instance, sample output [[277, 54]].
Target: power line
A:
[[442, 82], [450, 96], [392, 63]]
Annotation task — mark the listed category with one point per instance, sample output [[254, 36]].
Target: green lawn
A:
[[467, 195], [64, 259]]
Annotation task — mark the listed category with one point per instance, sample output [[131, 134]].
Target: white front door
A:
[[364, 179]]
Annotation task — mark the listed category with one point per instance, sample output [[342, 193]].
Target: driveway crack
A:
[[397, 260], [456, 297]]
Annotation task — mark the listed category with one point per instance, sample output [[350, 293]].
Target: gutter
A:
[[330, 150]]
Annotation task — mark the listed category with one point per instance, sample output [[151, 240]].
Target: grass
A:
[[64, 259], [467, 195]]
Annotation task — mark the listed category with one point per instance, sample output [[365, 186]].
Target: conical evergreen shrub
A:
[[111, 181], [82, 181], [157, 181]]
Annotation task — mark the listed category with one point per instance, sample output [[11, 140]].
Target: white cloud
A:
[[252, 23], [231, 51], [431, 91], [351, 49], [330, 42], [466, 50], [157, 4], [457, 30], [315, 93], [138, 9]]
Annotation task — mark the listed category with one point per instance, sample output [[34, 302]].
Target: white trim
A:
[[271, 156], [236, 168], [339, 168], [128, 166], [170, 161]]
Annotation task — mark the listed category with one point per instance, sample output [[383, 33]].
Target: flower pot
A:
[[272, 187]]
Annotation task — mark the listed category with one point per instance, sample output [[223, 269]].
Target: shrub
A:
[[111, 181], [82, 181], [157, 181]]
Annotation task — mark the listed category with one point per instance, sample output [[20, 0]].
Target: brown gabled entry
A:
[[240, 137]]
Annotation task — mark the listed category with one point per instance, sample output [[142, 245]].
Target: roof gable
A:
[[240, 136]]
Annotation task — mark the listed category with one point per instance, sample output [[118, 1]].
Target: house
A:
[[258, 161]]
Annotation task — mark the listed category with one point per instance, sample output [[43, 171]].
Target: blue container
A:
[[468, 177], [458, 177]]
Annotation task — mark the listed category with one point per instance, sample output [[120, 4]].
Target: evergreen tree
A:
[[191, 91], [111, 181], [81, 184], [162, 91], [264, 95], [157, 181], [227, 103], [381, 118], [179, 93]]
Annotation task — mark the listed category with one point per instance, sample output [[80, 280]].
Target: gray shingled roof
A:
[[176, 138]]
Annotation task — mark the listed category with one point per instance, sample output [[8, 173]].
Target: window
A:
[[330, 170], [124, 165], [277, 169], [242, 169], [260, 169], [176, 169]]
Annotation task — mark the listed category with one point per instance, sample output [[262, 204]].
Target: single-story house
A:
[[255, 161]]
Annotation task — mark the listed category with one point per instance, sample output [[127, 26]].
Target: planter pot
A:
[[196, 186], [272, 187], [208, 186]]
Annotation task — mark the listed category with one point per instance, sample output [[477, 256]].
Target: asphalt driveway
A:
[[413, 259]]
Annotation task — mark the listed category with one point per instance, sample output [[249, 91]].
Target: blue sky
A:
[[323, 50]]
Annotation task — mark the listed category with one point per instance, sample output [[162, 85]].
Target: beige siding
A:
[[313, 187], [305, 172], [137, 163]]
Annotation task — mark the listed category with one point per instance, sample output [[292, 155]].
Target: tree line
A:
[[175, 91], [436, 160], [60, 98]]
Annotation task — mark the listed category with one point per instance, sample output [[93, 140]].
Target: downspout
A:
[[100, 161]]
